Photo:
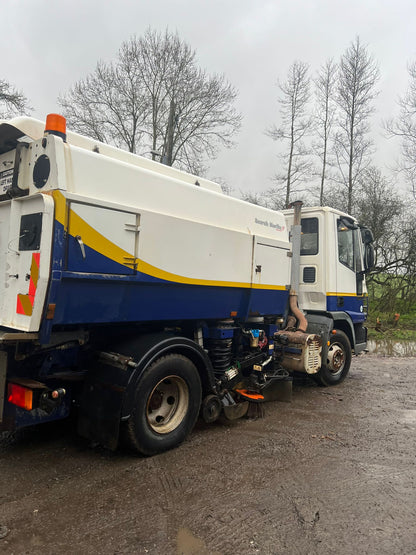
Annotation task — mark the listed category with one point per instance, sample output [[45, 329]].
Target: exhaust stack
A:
[[297, 350], [296, 232]]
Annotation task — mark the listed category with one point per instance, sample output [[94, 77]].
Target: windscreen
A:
[[349, 252]]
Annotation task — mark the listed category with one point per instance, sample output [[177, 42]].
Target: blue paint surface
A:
[[353, 306], [96, 289], [94, 262], [86, 300]]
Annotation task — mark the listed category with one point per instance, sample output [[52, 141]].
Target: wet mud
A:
[[334, 471]]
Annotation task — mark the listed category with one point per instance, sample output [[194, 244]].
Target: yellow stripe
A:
[[60, 207], [267, 286], [34, 272], [153, 271], [26, 304], [92, 238], [95, 240], [332, 294]]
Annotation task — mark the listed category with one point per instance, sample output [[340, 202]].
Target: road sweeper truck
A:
[[137, 297]]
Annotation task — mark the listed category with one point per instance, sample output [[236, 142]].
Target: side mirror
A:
[[367, 236], [367, 239], [368, 257]]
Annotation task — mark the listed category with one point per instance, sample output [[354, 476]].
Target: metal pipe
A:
[[296, 311], [296, 232], [295, 235]]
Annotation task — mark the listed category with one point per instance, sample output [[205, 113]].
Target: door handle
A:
[[81, 246]]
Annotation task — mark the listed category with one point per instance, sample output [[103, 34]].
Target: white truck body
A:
[[143, 216], [111, 264]]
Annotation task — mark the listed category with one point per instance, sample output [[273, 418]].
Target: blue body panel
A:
[[352, 305], [96, 289], [94, 262], [17, 417], [93, 298]]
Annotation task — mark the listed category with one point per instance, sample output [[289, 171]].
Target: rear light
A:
[[20, 396]]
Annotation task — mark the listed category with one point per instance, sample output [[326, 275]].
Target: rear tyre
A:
[[338, 361], [167, 401]]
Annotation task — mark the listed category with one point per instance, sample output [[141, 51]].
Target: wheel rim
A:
[[336, 359], [167, 404]]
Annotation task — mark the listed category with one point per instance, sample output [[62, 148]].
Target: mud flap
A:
[[101, 402], [3, 372], [279, 390]]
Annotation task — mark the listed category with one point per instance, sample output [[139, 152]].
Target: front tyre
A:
[[167, 402], [338, 361]]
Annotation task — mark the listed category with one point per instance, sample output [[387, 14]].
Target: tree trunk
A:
[[168, 150]]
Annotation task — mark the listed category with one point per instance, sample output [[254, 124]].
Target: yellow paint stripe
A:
[[60, 207], [34, 272], [267, 286], [26, 304], [95, 240], [153, 271], [332, 294]]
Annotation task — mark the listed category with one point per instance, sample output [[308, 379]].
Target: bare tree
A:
[[295, 126], [404, 127], [325, 87], [379, 207], [108, 105], [155, 99], [226, 188], [254, 197], [12, 101], [272, 198], [358, 75]]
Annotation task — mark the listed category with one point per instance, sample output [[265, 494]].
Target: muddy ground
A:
[[332, 472]]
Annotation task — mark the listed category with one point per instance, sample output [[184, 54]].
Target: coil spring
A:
[[220, 353]]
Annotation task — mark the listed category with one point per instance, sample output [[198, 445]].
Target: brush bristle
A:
[[255, 411]]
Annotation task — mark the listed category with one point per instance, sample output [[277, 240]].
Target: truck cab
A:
[[335, 255]]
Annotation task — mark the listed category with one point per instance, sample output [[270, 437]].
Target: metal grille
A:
[[309, 274], [313, 356]]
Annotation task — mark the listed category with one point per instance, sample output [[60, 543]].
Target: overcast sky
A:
[[47, 45]]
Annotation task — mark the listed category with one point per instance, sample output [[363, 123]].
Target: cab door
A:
[[270, 263], [102, 240], [349, 275], [26, 239]]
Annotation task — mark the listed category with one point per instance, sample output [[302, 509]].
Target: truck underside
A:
[[149, 381]]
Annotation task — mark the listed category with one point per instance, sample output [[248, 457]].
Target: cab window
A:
[[349, 244], [310, 236]]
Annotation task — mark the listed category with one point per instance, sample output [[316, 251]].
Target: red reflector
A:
[[20, 396]]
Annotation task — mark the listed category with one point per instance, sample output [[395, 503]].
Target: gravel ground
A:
[[334, 471]]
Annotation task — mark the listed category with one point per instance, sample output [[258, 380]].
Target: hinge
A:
[[132, 227], [130, 261]]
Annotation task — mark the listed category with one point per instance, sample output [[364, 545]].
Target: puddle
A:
[[409, 417], [388, 347], [188, 544]]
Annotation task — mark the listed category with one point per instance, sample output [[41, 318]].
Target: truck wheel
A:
[[167, 401], [336, 367]]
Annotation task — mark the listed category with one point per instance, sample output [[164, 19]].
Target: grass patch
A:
[[383, 325], [397, 334], [391, 297]]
